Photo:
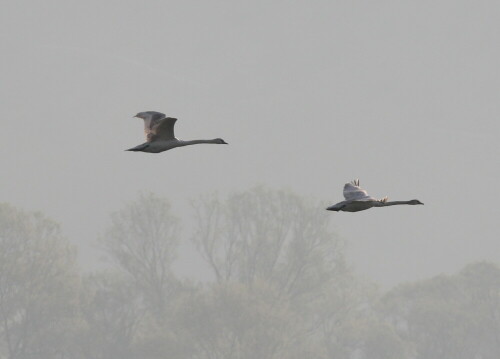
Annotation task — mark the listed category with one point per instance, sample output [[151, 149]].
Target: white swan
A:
[[357, 199], [160, 137]]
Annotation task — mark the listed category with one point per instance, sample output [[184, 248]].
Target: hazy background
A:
[[403, 95]]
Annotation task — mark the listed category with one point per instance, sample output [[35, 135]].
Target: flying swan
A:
[[357, 199], [160, 137]]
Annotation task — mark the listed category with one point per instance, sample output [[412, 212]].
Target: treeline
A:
[[280, 289]]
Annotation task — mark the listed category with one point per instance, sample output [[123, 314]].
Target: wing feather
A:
[[352, 192], [163, 130], [152, 120]]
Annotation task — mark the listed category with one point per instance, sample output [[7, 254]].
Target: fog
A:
[[402, 95]]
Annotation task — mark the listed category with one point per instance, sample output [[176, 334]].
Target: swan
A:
[[159, 131], [357, 199]]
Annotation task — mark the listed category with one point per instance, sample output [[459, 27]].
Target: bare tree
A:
[[274, 248], [142, 241], [271, 234]]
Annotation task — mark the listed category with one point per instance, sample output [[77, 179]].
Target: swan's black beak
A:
[[332, 208]]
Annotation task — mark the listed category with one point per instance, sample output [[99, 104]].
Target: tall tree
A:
[[267, 234], [277, 266], [142, 241], [38, 286]]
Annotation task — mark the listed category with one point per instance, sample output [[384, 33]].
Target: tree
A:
[[38, 286], [111, 312], [449, 316], [267, 234], [234, 321], [142, 241], [274, 248]]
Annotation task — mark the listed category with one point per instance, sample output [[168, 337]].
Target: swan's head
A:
[[220, 141], [415, 201]]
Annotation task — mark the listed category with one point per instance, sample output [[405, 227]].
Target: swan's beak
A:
[[332, 208]]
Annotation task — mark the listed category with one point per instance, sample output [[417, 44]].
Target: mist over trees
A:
[[280, 288], [39, 286]]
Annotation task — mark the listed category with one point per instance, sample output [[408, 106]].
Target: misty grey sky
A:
[[403, 95]]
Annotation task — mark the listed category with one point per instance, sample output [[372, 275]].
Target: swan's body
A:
[[357, 199], [160, 137]]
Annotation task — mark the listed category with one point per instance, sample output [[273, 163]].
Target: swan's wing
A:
[[151, 121], [163, 130], [352, 192]]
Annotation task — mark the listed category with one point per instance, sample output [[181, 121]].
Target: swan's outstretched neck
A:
[[394, 203], [218, 141]]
